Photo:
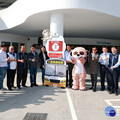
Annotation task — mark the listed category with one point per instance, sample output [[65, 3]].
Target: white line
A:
[[74, 117], [108, 102], [116, 106], [114, 99]]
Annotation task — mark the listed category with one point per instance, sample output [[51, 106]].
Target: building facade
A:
[[81, 22]]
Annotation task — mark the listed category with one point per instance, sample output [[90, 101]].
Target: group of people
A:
[[10, 63], [108, 63], [22, 61]]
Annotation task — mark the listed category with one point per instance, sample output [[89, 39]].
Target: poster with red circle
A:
[[56, 47]]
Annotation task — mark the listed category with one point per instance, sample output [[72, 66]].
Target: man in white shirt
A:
[[11, 68], [104, 60], [67, 58], [3, 65]]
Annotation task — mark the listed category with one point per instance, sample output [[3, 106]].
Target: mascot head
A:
[[79, 52], [46, 35]]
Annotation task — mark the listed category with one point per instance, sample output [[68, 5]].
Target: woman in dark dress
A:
[[93, 67], [43, 57]]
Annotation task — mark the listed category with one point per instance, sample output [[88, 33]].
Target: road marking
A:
[[74, 117], [112, 100], [108, 102], [116, 106]]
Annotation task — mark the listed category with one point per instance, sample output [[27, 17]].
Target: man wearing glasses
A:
[[67, 58], [11, 68], [113, 71], [104, 61]]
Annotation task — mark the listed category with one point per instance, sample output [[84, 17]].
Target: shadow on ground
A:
[[21, 98]]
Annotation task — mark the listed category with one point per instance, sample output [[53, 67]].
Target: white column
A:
[[56, 24]]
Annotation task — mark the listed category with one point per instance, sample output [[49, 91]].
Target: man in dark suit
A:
[[33, 61], [113, 73], [22, 66], [43, 57]]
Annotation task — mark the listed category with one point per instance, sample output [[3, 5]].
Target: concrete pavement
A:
[[86, 105]]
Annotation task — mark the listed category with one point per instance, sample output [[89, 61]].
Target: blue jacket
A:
[[113, 59]]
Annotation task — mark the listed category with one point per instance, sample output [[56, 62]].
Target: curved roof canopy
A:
[[82, 18]]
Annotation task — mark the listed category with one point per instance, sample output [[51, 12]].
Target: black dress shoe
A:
[[68, 87], [19, 88], [35, 85], [24, 86], [116, 92], [13, 87], [111, 92], [94, 90], [108, 88], [102, 89], [31, 85], [10, 89], [91, 88]]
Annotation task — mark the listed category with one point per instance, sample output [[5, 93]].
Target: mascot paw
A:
[[75, 88], [83, 89]]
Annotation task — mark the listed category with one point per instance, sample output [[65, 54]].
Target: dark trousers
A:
[[21, 76], [43, 74], [113, 78], [3, 71], [103, 74], [94, 80], [33, 73], [10, 78], [69, 74]]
